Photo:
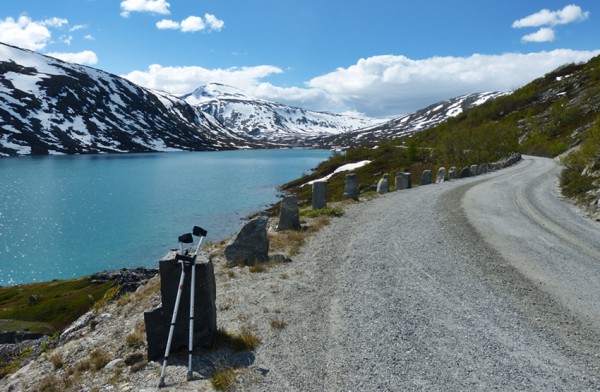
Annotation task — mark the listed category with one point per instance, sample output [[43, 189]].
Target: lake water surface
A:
[[69, 216]]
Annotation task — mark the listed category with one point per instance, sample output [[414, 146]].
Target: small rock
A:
[[113, 363]]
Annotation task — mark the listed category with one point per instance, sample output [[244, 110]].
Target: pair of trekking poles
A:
[[184, 259]]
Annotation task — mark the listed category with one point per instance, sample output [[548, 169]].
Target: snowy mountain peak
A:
[[213, 91]]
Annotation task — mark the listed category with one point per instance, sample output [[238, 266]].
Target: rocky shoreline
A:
[[13, 343]]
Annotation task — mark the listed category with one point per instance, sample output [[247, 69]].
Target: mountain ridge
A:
[[48, 106]]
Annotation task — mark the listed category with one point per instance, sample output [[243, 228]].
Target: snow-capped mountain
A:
[[408, 124], [48, 106], [267, 120]]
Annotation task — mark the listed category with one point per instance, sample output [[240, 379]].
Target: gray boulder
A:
[[452, 174], [351, 187], [403, 181], [465, 172], [251, 245], [473, 170], [319, 195], [383, 186], [158, 321], [289, 216], [426, 177], [441, 175]]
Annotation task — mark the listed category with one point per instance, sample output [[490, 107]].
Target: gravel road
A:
[[488, 283]]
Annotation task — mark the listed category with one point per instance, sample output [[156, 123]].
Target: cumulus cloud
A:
[[192, 24], [25, 33], [85, 57], [55, 22], [545, 34], [165, 24], [183, 80], [379, 86], [153, 6], [213, 23], [569, 14]]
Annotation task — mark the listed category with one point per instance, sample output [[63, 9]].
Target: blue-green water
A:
[[68, 216]]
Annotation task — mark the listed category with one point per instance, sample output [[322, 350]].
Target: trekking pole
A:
[[183, 239], [199, 232]]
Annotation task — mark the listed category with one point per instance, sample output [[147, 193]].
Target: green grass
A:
[[224, 379], [326, 211], [245, 341], [60, 302]]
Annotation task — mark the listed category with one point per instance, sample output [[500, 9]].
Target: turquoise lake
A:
[[69, 216]]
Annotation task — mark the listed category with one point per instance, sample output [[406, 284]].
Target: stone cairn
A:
[[351, 187], [289, 216], [383, 186], [403, 181], [426, 177], [319, 195], [158, 321]]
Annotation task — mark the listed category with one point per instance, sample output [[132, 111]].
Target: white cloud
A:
[[214, 23], [385, 85], [66, 39], [55, 22], [77, 27], [24, 33], [569, 14], [167, 24], [85, 57], [545, 34], [379, 86], [153, 6], [89, 37], [192, 24], [183, 80]]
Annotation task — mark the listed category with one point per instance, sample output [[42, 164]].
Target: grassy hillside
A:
[[554, 114], [47, 307]]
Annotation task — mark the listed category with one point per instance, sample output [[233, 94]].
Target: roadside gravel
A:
[[487, 283], [406, 293]]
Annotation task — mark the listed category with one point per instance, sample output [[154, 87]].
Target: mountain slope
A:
[[408, 124], [49, 106], [263, 119]]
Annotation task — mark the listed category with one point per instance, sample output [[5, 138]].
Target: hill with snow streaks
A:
[[266, 120], [48, 106], [408, 124]]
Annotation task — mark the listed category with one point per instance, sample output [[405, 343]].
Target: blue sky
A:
[[379, 58]]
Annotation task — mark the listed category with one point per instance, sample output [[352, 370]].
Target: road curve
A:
[[487, 283]]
